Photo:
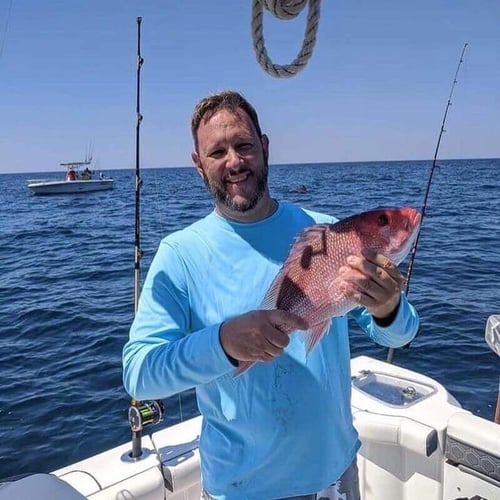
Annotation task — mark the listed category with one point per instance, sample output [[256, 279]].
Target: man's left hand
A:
[[373, 281]]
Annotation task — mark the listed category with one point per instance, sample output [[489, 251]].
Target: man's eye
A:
[[217, 153], [246, 146]]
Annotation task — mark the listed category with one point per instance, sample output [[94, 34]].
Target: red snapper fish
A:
[[309, 283]]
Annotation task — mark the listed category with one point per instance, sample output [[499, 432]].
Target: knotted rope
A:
[[285, 9]]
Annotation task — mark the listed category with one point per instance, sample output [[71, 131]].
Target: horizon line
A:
[[319, 163]]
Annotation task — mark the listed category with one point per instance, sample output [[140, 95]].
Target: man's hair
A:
[[227, 99]]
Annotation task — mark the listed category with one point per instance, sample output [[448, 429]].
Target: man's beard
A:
[[220, 195]]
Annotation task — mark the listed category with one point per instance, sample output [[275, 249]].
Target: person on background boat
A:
[[71, 174], [283, 429], [86, 174]]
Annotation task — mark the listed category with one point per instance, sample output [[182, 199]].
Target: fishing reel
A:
[[140, 415], [144, 413]]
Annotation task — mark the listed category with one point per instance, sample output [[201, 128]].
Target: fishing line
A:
[[9, 9], [158, 198], [413, 251]]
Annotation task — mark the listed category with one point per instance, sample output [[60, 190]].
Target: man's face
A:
[[232, 160]]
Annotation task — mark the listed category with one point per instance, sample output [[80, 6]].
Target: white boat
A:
[[417, 443], [74, 182]]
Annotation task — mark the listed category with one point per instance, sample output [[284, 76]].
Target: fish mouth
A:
[[413, 220], [412, 224], [416, 218]]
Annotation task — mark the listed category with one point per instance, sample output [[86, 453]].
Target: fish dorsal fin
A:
[[270, 299]]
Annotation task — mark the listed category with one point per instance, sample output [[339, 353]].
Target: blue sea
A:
[[67, 291]]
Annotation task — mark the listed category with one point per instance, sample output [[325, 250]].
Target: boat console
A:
[[417, 441]]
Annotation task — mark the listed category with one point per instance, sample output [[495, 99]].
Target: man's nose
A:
[[233, 158]]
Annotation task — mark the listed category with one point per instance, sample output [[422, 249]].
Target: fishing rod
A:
[[141, 413], [138, 179], [413, 251]]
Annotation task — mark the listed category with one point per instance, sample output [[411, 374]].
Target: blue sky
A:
[[375, 88]]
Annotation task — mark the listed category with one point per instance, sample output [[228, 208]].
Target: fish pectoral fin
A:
[[339, 303], [336, 290], [314, 334]]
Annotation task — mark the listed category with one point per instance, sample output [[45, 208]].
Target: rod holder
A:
[[140, 415]]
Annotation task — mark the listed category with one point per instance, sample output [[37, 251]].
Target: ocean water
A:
[[67, 285]]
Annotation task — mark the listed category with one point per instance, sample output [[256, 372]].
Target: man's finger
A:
[[383, 262], [277, 338], [273, 350]]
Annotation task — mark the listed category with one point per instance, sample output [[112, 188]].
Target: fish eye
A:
[[383, 219]]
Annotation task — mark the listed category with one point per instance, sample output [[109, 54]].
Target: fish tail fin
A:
[[243, 366]]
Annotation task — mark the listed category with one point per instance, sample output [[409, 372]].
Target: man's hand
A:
[[259, 335], [373, 281]]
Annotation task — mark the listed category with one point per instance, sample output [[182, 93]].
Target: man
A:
[[283, 429]]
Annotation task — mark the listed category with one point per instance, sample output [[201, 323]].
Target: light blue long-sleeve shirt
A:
[[282, 428]]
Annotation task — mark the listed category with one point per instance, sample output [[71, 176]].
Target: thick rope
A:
[[285, 9]]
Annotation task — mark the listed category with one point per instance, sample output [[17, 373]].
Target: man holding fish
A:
[[249, 305]]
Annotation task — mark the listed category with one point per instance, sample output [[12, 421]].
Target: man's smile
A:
[[238, 178]]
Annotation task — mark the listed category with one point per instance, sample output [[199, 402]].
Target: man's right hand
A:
[[259, 335]]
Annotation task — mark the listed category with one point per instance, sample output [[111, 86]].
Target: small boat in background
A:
[[75, 181]]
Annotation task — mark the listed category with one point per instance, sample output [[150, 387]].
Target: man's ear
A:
[[197, 163], [265, 146]]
